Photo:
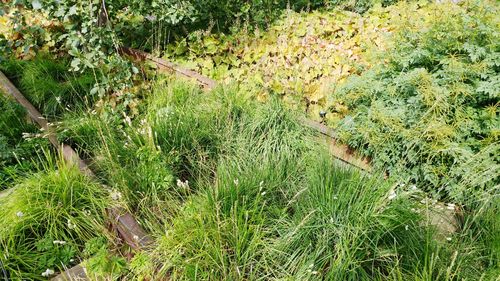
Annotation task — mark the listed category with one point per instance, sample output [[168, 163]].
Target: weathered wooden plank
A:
[[76, 273], [131, 232], [11, 91], [162, 64], [339, 151], [345, 154], [6, 192]]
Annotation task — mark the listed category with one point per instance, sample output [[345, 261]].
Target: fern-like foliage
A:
[[430, 112]]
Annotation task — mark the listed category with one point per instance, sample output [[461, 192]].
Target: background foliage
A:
[[430, 114]]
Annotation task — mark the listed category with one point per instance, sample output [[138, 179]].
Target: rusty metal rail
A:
[[339, 151], [125, 224]]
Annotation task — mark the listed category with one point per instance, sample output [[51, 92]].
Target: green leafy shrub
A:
[[433, 107], [101, 263]]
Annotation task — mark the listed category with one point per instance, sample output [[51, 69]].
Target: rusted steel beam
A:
[[9, 89], [5, 193], [339, 151], [162, 64], [132, 233], [76, 273], [66, 151], [126, 225]]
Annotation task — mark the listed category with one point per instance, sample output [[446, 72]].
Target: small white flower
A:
[[314, 272], [236, 181], [60, 242], [150, 18], [392, 195], [71, 260], [20, 214], [116, 195], [263, 193], [71, 225], [58, 99], [450, 206], [407, 227], [413, 187], [335, 197], [448, 238], [182, 184], [136, 238], [48, 273]]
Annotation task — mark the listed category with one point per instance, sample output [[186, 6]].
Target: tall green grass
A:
[[49, 85], [236, 190], [20, 149], [47, 219]]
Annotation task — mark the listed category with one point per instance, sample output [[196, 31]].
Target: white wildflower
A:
[[314, 272], [392, 195], [236, 181], [136, 238], [335, 197], [60, 242], [116, 195], [150, 18], [183, 184], [58, 99], [407, 227], [71, 225], [48, 273], [263, 193], [450, 206], [20, 214], [448, 238]]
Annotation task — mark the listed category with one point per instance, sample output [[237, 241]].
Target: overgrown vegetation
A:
[[228, 183], [413, 85], [235, 190], [49, 85], [430, 114], [46, 220], [20, 146]]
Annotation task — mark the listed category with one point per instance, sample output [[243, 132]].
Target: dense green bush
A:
[[430, 114]]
